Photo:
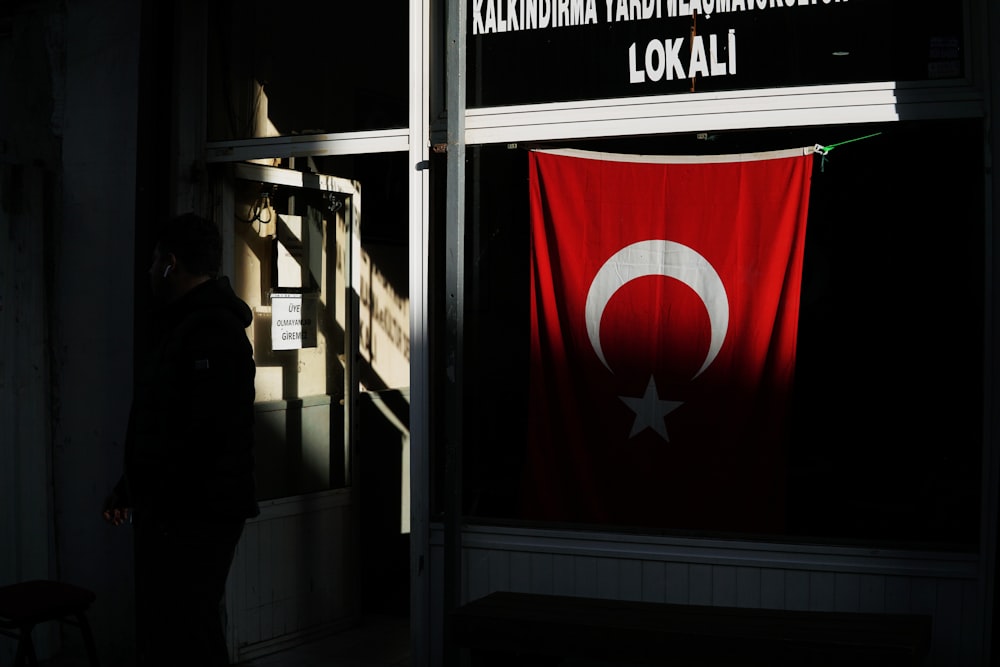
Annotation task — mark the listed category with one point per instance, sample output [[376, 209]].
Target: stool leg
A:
[[88, 639], [26, 649]]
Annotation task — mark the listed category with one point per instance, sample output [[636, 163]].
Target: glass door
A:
[[295, 247]]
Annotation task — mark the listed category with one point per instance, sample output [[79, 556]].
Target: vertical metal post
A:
[[352, 270], [454, 312], [352, 306], [990, 504], [419, 252]]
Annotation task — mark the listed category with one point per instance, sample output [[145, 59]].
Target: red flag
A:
[[664, 305]]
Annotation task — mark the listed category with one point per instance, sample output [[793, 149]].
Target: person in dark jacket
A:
[[188, 481]]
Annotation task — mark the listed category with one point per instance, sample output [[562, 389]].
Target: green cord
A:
[[824, 150], [827, 149]]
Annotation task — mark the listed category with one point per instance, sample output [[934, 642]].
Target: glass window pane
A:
[[886, 425], [629, 49], [299, 67], [289, 265]]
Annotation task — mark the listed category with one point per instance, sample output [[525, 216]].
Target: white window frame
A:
[[705, 112]]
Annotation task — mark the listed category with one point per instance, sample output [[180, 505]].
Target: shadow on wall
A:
[[383, 467]]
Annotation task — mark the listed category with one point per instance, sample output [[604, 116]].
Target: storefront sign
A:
[[293, 321], [533, 51]]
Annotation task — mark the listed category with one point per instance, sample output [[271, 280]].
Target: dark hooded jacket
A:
[[189, 447]]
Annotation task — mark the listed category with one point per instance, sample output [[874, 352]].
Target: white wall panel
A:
[[748, 587], [846, 591], [608, 583], [542, 575], [585, 573], [653, 581], [728, 573], [724, 586], [699, 584], [563, 575], [871, 593], [290, 579], [676, 588]]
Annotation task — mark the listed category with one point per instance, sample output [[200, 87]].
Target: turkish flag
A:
[[664, 308]]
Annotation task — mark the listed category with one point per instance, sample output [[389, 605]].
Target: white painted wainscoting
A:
[[294, 577], [725, 573]]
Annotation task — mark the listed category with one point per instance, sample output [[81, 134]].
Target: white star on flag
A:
[[650, 411]]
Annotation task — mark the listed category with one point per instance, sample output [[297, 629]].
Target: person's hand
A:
[[114, 513]]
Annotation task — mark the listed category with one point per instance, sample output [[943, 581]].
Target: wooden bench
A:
[[525, 629]]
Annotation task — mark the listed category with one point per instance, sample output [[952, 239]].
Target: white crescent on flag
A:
[[658, 257]]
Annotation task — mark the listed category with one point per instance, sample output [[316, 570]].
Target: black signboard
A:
[[537, 51]]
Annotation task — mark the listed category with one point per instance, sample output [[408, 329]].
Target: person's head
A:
[[188, 252]]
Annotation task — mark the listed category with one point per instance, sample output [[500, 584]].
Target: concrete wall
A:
[[29, 166], [68, 115], [92, 310]]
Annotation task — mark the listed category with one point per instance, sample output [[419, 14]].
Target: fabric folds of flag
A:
[[664, 308]]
